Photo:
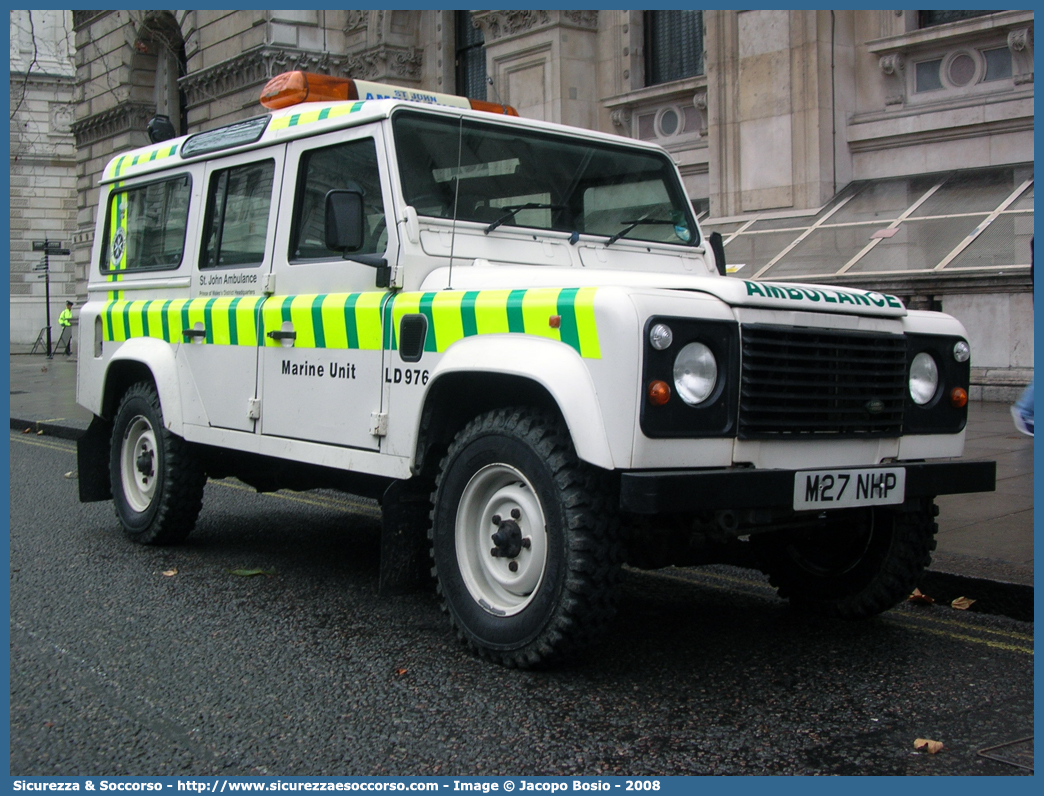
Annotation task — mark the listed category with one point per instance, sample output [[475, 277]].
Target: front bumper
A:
[[676, 491]]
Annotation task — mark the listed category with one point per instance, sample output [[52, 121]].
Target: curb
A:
[[50, 429], [994, 597]]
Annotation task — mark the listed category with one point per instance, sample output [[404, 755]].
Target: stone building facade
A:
[[773, 116], [43, 167]]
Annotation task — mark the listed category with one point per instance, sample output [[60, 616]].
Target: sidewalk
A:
[[985, 540]]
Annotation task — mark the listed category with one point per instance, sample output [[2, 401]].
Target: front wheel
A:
[[856, 563], [157, 481], [524, 539]]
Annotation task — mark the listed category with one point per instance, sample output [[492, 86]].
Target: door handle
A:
[[188, 334], [280, 334]]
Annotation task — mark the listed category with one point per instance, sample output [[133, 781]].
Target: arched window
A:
[[161, 50], [673, 45]]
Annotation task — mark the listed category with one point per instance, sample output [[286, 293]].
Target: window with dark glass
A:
[[237, 212], [146, 226], [352, 165], [928, 19], [470, 58], [673, 45]]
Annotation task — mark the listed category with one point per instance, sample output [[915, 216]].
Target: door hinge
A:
[[254, 409], [379, 424], [268, 284]]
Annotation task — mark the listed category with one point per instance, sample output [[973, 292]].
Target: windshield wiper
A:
[[632, 224], [513, 209]]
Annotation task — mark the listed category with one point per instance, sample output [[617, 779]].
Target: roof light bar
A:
[[292, 88]]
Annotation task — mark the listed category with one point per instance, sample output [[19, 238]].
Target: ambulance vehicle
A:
[[514, 335]]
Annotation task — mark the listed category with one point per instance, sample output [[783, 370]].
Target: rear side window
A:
[[146, 226], [236, 224], [349, 165]]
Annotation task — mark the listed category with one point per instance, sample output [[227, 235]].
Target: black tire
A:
[[856, 565], [157, 480], [562, 592]]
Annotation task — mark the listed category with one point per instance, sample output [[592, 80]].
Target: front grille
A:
[[821, 383]]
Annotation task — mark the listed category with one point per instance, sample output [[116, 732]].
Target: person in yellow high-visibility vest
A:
[[65, 322]]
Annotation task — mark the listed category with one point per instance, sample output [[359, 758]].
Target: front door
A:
[[321, 356]]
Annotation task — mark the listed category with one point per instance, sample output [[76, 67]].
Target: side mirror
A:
[[714, 239], [345, 223]]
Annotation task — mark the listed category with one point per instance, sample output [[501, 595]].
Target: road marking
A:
[[30, 441], [973, 640], [892, 617]]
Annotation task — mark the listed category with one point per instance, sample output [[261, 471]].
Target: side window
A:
[[236, 223], [349, 165], [146, 226]]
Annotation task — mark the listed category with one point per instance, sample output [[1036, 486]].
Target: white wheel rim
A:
[[138, 463], [502, 586]]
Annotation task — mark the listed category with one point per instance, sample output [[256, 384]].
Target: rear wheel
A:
[[524, 539], [157, 481], [858, 563]]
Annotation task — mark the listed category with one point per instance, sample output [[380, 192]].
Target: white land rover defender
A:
[[513, 334]]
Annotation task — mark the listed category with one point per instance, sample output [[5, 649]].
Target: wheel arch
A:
[[476, 376], [144, 359]]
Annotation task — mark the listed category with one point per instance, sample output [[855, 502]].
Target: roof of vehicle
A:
[[309, 119]]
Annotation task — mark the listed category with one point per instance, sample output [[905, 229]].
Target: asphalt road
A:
[[164, 661]]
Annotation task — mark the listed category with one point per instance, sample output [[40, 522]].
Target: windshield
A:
[[522, 178]]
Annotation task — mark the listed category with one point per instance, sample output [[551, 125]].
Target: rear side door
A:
[[221, 324], [322, 356]]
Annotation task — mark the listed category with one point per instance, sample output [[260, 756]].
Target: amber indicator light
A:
[[659, 393]]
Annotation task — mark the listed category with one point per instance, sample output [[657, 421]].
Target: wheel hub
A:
[[144, 463], [508, 538]]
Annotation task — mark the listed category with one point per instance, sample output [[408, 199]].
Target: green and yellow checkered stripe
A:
[[454, 315], [228, 320], [310, 117], [119, 166], [353, 320]]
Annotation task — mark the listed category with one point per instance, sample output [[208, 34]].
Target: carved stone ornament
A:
[[499, 24], [123, 118], [581, 19], [1019, 39], [894, 67], [356, 21], [621, 117], [892, 64], [1020, 42], [385, 61], [252, 68], [699, 102]]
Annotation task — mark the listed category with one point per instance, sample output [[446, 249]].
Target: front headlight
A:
[[924, 378], [695, 373]]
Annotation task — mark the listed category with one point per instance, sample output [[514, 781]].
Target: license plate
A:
[[839, 489]]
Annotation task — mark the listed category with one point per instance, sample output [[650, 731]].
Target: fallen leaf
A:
[[39, 433], [170, 573], [249, 573], [931, 747], [919, 598], [71, 474], [962, 603], [401, 672], [27, 431]]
